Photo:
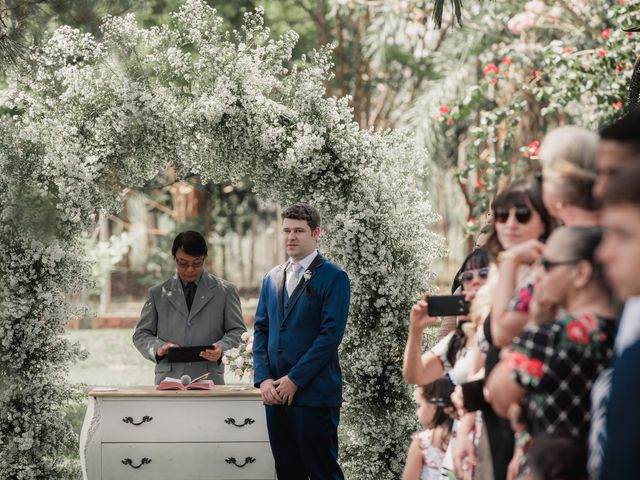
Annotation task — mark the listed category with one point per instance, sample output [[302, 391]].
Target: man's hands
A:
[[212, 355], [270, 395], [419, 318], [286, 389], [278, 392], [164, 349]]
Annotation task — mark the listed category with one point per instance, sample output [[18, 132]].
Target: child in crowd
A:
[[428, 447]]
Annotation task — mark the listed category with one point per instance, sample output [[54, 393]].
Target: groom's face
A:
[[299, 240]]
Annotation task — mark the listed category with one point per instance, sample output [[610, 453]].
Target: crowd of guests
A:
[[540, 380]]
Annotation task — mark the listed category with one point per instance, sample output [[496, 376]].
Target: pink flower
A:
[[535, 6], [250, 347], [245, 336], [493, 81], [601, 52], [506, 61], [617, 105], [606, 33], [520, 22], [567, 50], [450, 121], [444, 109], [538, 73]]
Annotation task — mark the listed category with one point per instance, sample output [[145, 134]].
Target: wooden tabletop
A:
[[246, 391]]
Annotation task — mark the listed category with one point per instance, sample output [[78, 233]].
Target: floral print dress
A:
[[557, 364]]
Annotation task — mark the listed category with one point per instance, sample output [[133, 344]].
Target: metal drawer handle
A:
[[146, 418], [232, 421], [233, 461], [128, 461]]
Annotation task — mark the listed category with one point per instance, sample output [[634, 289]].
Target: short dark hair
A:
[[626, 130], [303, 211], [623, 189], [558, 457], [191, 242]]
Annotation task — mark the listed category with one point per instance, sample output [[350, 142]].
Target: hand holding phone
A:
[[419, 317]]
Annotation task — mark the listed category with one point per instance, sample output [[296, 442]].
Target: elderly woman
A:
[[568, 157], [553, 363]]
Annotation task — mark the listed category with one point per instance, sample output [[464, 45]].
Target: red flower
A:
[[620, 67], [472, 221], [524, 299], [568, 50], [535, 368], [491, 68], [538, 74], [601, 52], [629, 34], [577, 332], [506, 61], [517, 360], [617, 105], [450, 121], [480, 185], [606, 33], [589, 320], [444, 109], [493, 81], [533, 149]]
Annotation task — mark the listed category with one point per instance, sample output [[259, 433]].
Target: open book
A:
[[175, 384]]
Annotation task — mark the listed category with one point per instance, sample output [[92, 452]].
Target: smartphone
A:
[[473, 393], [447, 306]]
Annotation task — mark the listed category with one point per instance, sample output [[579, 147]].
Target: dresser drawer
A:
[[187, 461], [184, 421]]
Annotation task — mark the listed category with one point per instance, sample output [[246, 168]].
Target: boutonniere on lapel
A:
[[307, 275]]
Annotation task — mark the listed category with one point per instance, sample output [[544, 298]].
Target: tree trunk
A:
[[105, 295]]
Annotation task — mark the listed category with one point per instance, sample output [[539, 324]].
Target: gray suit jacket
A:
[[215, 317]]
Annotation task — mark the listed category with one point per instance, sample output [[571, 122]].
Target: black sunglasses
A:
[[523, 214], [548, 265], [469, 275]]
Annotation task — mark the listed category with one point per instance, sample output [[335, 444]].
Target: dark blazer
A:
[[215, 317], [301, 339], [623, 418]]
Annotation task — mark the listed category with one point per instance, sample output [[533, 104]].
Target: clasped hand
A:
[[278, 392]]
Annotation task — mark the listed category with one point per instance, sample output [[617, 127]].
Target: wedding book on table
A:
[[185, 383]]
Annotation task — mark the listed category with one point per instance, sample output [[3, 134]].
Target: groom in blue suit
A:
[[299, 324]]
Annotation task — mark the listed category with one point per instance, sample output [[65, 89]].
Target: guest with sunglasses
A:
[[553, 363], [454, 354], [520, 224]]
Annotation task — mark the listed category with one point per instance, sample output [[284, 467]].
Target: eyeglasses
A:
[[469, 275], [440, 402], [196, 264], [523, 214], [548, 265]]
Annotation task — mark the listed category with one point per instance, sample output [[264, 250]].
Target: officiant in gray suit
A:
[[192, 308]]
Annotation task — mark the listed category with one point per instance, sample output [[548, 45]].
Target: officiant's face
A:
[[189, 267], [300, 241]]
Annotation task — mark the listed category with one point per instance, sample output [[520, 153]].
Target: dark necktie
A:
[[189, 294]]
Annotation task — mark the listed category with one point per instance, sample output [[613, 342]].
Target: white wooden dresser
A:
[[140, 433]]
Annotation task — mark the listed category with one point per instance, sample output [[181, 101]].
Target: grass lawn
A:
[[113, 360]]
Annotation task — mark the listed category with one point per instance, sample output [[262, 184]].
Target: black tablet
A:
[[187, 354]]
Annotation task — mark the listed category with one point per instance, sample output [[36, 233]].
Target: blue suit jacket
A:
[[301, 339], [623, 418]]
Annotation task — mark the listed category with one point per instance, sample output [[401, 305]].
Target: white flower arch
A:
[[86, 118]]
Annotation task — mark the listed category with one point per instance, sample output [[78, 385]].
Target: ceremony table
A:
[[142, 433]]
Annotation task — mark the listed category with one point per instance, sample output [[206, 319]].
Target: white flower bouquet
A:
[[239, 360]]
